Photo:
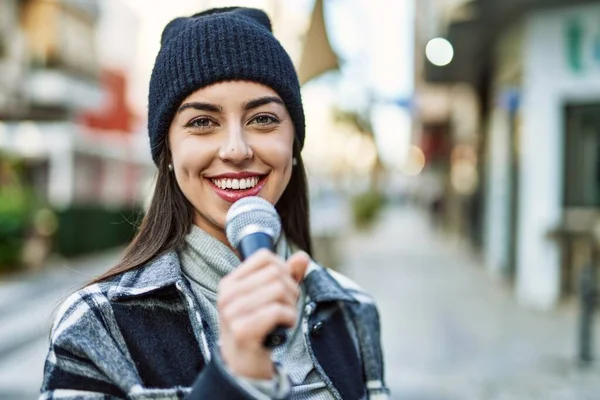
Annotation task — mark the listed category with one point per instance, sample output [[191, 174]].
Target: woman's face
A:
[[227, 141]]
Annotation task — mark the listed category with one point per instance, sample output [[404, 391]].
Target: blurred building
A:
[[446, 119], [534, 69], [51, 82], [65, 115]]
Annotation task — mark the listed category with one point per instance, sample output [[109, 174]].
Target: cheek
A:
[[276, 153], [190, 158]]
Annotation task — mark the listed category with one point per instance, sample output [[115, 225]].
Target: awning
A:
[[317, 55], [472, 39]]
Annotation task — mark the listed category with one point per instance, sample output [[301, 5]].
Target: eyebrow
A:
[[200, 106], [261, 101], [249, 105]]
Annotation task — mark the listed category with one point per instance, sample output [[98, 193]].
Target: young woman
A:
[[181, 316]]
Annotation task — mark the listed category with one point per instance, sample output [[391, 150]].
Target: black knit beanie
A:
[[221, 44]]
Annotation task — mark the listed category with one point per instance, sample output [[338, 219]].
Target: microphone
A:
[[252, 224]]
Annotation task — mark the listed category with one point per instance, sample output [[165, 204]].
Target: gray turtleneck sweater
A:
[[204, 261]]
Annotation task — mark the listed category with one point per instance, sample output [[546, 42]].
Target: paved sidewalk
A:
[[451, 332], [27, 307]]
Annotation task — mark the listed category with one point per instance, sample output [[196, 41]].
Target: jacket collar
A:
[[162, 272], [322, 287], [165, 271]]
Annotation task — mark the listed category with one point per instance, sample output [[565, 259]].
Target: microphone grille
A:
[[251, 214]]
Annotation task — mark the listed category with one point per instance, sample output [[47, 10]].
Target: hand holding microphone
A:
[[257, 301]]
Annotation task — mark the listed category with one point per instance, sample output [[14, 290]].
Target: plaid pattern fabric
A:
[[140, 336]]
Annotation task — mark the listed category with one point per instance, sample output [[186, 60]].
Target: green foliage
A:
[[15, 211], [74, 231], [366, 208]]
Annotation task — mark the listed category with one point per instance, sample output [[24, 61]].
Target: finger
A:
[[229, 290], [257, 325], [298, 264], [275, 292], [250, 266], [254, 263]]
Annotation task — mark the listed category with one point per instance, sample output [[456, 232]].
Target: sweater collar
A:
[[205, 260]]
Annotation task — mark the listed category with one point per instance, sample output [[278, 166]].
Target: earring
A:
[[294, 161], [170, 167]]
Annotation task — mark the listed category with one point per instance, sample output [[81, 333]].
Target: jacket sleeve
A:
[[368, 327], [215, 381], [365, 316]]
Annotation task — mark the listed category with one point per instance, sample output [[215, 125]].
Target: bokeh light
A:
[[439, 51], [29, 139], [415, 162], [463, 170]]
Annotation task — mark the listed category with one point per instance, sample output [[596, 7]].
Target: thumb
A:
[[298, 263]]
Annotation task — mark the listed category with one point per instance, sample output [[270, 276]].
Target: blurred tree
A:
[[367, 205], [361, 123]]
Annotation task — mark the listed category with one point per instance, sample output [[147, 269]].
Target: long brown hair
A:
[[170, 215]]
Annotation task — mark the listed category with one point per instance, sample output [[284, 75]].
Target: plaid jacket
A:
[[140, 335]]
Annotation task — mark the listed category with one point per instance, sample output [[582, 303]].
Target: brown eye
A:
[[264, 119], [201, 123]]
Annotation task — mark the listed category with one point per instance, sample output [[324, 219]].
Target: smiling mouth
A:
[[237, 184]]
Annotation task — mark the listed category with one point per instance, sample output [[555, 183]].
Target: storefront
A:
[[544, 148]]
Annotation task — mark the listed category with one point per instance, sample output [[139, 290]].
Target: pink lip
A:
[[236, 175], [233, 195]]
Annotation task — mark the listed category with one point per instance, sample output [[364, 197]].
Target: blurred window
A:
[[582, 161], [36, 176], [89, 179]]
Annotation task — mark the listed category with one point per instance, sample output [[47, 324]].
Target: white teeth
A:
[[236, 184]]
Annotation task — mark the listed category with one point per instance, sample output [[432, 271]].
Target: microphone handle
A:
[[247, 246], [253, 242], [277, 337]]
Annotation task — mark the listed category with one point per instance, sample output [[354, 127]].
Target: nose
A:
[[235, 148]]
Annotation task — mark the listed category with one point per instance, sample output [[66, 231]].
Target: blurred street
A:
[[452, 333], [27, 307], [449, 331]]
